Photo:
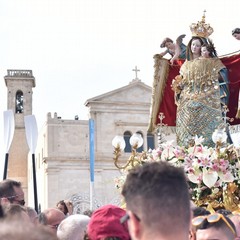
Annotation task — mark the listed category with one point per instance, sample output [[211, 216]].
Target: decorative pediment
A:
[[135, 91]]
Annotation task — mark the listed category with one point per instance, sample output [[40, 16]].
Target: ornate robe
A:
[[199, 104]]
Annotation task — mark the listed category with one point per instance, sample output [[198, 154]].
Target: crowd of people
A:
[[158, 207]]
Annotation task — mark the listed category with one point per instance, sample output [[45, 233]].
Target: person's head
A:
[[32, 214], [157, 199], [18, 230], [51, 217], [235, 218], [88, 212], [167, 42], [197, 211], [194, 48], [16, 211], [73, 227], [236, 33], [224, 212], [200, 211], [105, 224], [11, 192], [214, 226], [61, 205]]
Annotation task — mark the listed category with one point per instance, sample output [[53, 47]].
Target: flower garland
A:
[[213, 173]]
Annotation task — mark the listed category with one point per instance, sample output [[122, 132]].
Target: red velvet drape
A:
[[169, 108], [233, 65]]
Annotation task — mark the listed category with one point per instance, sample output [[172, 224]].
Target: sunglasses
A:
[[12, 199], [126, 217], [212, 218], [20, 202]]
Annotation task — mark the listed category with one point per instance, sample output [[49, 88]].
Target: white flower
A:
[[194, 177], [206, 168], [168, 153], [198, 140], [156, 154], [168, 144], [195, 162], [209, 178], [227, 177]]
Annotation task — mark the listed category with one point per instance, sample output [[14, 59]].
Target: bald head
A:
[[51, 217]]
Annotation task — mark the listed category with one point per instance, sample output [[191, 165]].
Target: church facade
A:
[[62, 155], [62, 158]]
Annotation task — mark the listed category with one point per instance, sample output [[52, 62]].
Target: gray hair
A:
[[73, 227]]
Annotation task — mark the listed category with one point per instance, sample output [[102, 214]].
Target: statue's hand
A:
[[177, 84]]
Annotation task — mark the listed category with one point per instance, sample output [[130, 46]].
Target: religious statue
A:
[[195, 100], [236, 33], [203, 90], [176, 50]]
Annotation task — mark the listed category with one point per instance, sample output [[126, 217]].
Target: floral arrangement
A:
[[213, 173]]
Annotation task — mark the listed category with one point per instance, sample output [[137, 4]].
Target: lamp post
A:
[[136, 141]]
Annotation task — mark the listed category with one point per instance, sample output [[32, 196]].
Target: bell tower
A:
[[19, 99]]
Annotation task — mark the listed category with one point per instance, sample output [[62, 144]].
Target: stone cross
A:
[[136, 70]]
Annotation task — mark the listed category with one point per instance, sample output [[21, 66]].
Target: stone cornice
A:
[[121, 123]]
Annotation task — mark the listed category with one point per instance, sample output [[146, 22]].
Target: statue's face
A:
[[196, 47], [204, 52], [169, 45], [237, 36]]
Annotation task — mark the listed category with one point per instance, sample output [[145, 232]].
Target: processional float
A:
[[213, 173]]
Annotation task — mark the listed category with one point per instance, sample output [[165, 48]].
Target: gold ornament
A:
[[201, 29]]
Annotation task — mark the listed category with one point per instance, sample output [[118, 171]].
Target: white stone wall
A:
[[63, 148]]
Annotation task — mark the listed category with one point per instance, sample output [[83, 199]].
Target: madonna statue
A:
[[200, 92]]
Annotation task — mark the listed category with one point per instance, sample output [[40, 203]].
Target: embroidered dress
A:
[[199, 104]]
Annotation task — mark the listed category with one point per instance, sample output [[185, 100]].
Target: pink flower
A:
[[205, 162], [199, 149], [190, 170], [215, 167]]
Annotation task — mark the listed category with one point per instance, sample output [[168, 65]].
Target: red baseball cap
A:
[[105, 222]]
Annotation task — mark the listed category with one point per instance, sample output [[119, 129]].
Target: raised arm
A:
[[163, 53]]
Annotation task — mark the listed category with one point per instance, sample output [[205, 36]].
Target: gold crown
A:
[[201, 29]]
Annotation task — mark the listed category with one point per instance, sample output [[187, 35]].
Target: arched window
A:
[[19, 102], [150, 141], [126, 137], [141, 148]]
